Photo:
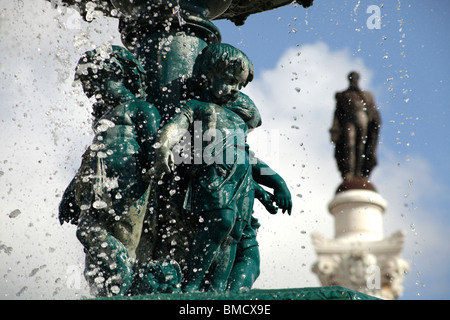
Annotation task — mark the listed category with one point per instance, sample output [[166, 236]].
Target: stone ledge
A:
[[319, 293]]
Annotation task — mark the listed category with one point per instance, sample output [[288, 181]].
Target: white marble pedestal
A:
[[359, 257]]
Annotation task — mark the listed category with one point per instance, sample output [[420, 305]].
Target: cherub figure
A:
[[246, 266], [107, 199], [221, 190]]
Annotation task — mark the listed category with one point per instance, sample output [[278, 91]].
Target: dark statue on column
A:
[[354, 132]]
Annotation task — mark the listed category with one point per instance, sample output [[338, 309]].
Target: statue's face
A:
[[225, 86]]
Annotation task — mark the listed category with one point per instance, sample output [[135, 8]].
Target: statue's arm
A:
[[266, 176], [335, 129], [147, 120], [265, 198], [116, 91], [255, 120], [169, 136], [374, 115]]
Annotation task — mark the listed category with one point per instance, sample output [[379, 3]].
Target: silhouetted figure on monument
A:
[[355, 132]]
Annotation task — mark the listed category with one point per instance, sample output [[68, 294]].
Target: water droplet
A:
[[99, 204], [22, 291], [14, 213], [33, 272], [115, 289], [101, 155]]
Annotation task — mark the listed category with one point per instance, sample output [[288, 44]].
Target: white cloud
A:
[[415, 206]]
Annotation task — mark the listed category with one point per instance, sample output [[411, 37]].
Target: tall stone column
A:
[[359, 257]]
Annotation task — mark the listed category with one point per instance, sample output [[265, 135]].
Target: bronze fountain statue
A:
[[155, 213]]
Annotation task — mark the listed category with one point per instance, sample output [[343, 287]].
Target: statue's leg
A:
[[205, 246], [241, 234], [348, 151], [246, 267], [360, 142], [157, 277], [370, 149], [127, 226], [217, 276], [109, 270]]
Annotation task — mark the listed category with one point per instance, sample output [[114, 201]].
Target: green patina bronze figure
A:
[[112, 196], [221, 185], [108, 197], [246, 267], [140, 230]]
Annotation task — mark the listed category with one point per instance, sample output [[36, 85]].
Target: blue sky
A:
[[45, 128], [413, 38]]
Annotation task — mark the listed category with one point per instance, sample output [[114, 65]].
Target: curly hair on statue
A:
[[216, 58], [109, 63]]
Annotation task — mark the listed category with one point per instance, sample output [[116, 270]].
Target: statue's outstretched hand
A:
[[164, 162], [267, 201], [282, 198]]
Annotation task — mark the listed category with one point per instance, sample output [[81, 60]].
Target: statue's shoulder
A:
[[368, 97], [367, 94], [198, 106], [340, 95], [246, 108], [195, 109]]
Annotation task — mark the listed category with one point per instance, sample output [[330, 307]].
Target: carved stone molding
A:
[[371, 267]]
